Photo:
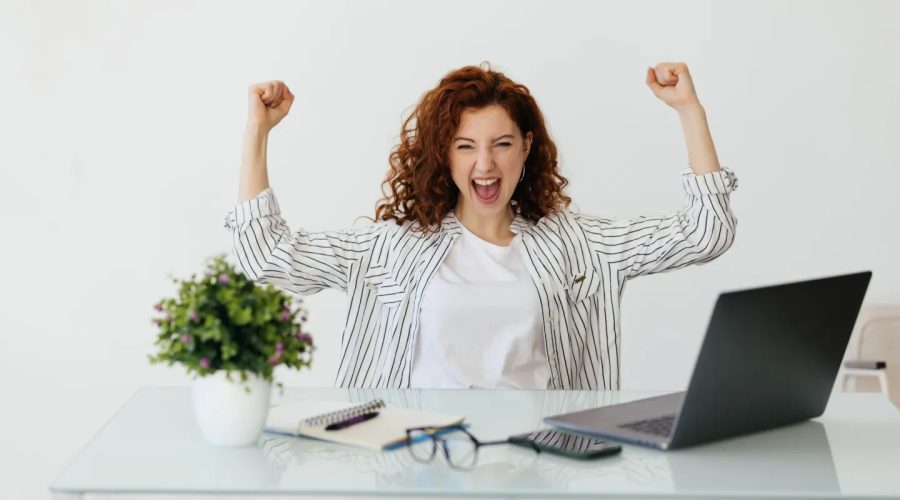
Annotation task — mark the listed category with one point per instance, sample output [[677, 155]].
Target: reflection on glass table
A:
[[152, 445]]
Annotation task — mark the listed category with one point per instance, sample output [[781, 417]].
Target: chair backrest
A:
[[877, 337]]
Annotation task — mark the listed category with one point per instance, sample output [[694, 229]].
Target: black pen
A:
[[351, 421]]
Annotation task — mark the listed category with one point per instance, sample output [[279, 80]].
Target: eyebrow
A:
[[505, 136]]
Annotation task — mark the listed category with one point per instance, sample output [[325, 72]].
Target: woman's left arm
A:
[[699, 231], [672, 84]]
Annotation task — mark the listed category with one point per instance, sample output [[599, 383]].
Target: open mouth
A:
[[486, 191]]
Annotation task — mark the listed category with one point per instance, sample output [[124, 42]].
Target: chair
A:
[[872, 362]]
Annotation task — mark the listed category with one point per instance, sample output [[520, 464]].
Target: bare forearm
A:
[[701, 151], [254, 177]]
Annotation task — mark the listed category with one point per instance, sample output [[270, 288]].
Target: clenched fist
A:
[[269, 103], [672, 84]]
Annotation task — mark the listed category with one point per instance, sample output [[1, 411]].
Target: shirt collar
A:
[[451, 224]]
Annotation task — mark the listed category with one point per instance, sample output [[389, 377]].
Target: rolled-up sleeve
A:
[[698, 232], [303, 262]]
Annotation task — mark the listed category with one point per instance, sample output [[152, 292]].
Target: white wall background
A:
[[120, 144]]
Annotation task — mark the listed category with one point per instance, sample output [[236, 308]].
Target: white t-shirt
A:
[[480, 324]]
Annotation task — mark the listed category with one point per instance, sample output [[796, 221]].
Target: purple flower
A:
[[304, 337], [279, 347], [275, 359], [158, 307], [186, 338], [223, 279], [204, 362], [303, 318], [193, 315], [285, 314]]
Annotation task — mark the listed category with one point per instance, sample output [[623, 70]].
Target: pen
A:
[[351, 421]]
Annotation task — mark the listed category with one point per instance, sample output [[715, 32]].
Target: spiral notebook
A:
[[309, 417]]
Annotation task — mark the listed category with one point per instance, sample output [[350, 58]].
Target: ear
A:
[[528, 138]]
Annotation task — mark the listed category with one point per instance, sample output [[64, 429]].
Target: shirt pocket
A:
[[583, 284], [389, 291]]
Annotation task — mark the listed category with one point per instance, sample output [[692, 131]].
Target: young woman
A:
[[475, 272]]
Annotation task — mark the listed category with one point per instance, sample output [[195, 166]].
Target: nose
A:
[[485, 160]]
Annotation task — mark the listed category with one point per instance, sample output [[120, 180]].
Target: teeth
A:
[[482, 182]]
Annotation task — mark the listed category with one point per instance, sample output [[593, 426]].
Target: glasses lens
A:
[[460, 450], [421, 446]]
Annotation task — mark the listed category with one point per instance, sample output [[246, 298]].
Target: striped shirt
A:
[[578, 263]]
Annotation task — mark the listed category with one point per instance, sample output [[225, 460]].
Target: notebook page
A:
[[387, 429], [285, 417]]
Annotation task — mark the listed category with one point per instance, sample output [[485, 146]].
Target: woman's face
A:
[[486, 158]]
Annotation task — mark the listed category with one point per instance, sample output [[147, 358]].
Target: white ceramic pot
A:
[[226, 413]]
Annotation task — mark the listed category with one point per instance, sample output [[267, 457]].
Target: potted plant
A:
[[231, 334]]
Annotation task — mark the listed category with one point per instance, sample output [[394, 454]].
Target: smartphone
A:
[[564, 443]]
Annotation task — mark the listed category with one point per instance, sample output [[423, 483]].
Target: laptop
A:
[[770, 358]]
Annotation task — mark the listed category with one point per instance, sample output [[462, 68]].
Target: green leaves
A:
[[220, 320], [229, 349], [242, 315]]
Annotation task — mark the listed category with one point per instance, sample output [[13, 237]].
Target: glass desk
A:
[[152, 445]]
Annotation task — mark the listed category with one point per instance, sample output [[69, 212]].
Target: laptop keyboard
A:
[[659, 426]]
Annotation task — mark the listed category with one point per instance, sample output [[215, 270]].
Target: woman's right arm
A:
[[268, 104], [264, 247], [254, 176]]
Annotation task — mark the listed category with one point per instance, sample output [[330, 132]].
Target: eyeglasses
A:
[[460, 448]]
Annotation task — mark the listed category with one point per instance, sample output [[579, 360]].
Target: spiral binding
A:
[[341, 415]]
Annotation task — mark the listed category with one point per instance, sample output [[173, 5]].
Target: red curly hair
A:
[[418, 185]]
